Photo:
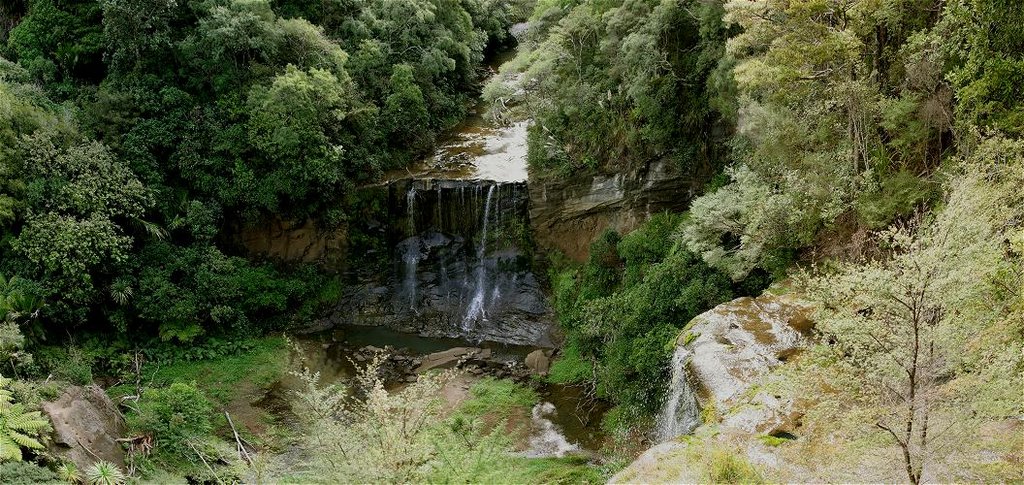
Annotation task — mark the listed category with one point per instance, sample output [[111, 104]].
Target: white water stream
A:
[[476, 310], [680, 414]]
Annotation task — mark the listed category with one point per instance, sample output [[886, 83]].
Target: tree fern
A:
[[18, 428]]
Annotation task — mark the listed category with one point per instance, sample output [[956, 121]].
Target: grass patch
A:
[[725, 466], [224, 378], [569, 469], [498, 398], [570, 367]]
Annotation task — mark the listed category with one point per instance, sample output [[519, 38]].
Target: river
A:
[[456, 225]]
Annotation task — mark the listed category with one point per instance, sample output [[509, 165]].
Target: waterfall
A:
[[476, 304], [680, 414], [411, 252]]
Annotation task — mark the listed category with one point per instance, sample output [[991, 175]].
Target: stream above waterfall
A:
[[476, 149]]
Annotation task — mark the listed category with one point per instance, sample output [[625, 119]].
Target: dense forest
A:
[[864, 157]]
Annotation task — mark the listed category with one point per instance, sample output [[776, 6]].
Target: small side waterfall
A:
[[476, 310], [680, 414]]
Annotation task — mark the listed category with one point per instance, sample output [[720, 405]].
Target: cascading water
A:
[[680, 414], [411, 251], [476, 310]]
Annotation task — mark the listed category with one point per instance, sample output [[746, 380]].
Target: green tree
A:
[[80, 200], [60, 43], [920, 342], [298, 124], [405, 111]]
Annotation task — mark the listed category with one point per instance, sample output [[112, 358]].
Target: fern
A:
[[18, 428]]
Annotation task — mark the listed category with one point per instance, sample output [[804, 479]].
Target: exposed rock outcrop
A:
[[735, 344], [295, 242], [568, 213], [727, 356], [86, 427]]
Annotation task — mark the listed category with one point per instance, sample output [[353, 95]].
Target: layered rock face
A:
[[295, 242], [453, 260], [568, 213]]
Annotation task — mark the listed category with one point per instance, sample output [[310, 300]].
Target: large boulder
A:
[[86, 427], [724, 363], [539, 361], [733, 346]]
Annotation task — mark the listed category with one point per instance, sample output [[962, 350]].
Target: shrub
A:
[[175, 416], [104, 473], [25, 473], [70, 364]]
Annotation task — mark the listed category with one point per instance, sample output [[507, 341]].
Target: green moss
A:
[[770, 440]]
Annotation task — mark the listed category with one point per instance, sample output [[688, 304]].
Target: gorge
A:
[[511, 241]]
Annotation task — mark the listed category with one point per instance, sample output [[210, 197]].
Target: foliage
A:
[[622, 310], [373, 434], [19, 428], [137, 138], [71, 364], [176, 417], [836, 105], [614, 84], [25, 473], [383, 436], [68, 472], [18, 307], [104, 473], [929, 337]]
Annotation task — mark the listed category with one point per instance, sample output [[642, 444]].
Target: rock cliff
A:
[[567, 213]]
